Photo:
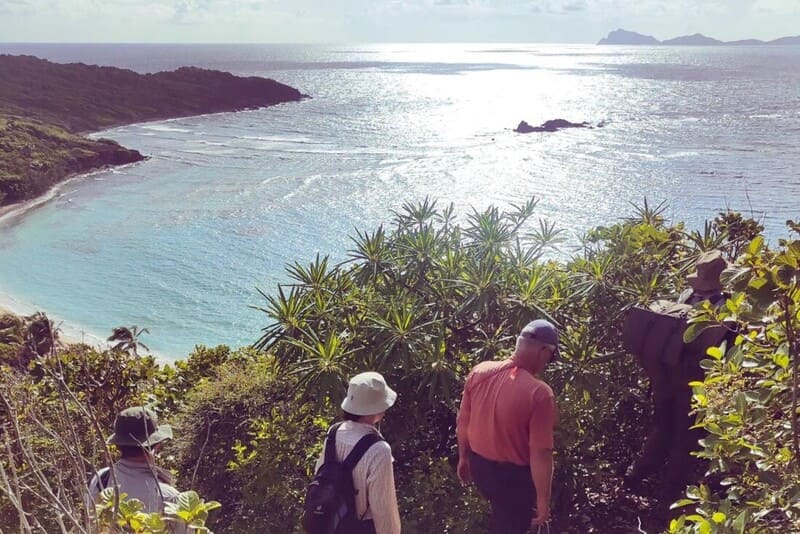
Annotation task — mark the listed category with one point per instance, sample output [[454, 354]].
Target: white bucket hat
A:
[[368, 394]]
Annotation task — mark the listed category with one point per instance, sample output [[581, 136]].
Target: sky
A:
[[360, 21]]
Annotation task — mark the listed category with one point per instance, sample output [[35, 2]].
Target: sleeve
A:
[[462, 420], [542, 420], [381, 494]]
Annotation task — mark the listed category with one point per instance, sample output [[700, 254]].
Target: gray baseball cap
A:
[[542, 331]]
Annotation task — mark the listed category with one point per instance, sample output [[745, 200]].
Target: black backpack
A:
[[330, 498], [102, 479], [655, 333]]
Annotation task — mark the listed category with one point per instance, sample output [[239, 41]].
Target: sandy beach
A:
[[4, 210]]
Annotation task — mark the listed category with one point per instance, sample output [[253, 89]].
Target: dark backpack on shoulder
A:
[[330, 498], [102, 479], [655, 333]]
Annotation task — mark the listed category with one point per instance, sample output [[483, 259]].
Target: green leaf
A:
[[718, 517], [755, 245], [741, 403], [681, 503], [740, 522], [714, 352], [693, 492], [781, 360]]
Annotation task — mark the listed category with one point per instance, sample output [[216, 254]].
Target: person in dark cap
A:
[[505, 431], [138, 436]]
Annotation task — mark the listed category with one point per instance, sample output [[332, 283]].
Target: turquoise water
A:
[[179, 243]]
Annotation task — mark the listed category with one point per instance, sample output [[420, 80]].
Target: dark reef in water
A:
[[550, 126]]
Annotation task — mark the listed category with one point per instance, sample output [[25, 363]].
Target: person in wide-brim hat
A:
[[368, 394], [137, 437], [138, 427], [708, 269], [364, 406]]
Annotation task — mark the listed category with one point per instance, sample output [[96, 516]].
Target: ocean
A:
[[178, 244]]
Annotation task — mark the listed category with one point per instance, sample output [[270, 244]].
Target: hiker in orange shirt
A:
[[505, 431]]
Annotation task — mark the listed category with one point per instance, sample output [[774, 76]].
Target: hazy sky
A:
[[336, 21]]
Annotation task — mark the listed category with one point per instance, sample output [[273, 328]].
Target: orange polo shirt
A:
[[506, 413]]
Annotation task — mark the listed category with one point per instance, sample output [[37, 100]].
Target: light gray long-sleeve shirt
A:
[[373, 477], [138, 480]]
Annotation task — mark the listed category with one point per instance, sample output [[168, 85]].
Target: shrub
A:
[[242, 439], [748, 402]]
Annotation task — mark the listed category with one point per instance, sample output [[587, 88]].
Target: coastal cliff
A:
[[35, 156], [44, 106]]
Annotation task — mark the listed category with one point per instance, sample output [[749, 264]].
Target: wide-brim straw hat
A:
[[368, 394], [707, 270]]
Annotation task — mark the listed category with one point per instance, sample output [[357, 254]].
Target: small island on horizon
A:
[[46, 108], [625, 37]]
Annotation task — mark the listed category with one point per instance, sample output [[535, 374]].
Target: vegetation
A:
[[422, 300], [35, 156], [82, 98], [748, 401], [43, 105]]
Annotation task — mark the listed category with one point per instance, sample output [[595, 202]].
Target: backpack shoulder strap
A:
[[330, 444], [101, 479], [105, 478], [361, 447]]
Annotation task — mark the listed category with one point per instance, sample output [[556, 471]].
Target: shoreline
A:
[[17, 210], [11, 214], [132, 98], [68, 335]]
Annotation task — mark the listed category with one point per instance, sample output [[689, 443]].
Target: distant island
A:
[[625, 37], [45, 106]]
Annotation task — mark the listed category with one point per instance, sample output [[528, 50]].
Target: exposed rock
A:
[[549, 126], [624, 37]]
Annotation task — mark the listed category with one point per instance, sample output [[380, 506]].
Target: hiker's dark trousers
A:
[[509, 489], [356, 527]]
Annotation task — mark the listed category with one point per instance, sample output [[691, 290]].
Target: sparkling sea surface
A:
[[179, 243]]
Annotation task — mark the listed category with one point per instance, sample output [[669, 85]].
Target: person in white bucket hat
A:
[[368, 398]]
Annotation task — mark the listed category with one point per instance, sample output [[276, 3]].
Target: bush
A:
[[748, 402], [242, 439], [54, 417], [426, 301]]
